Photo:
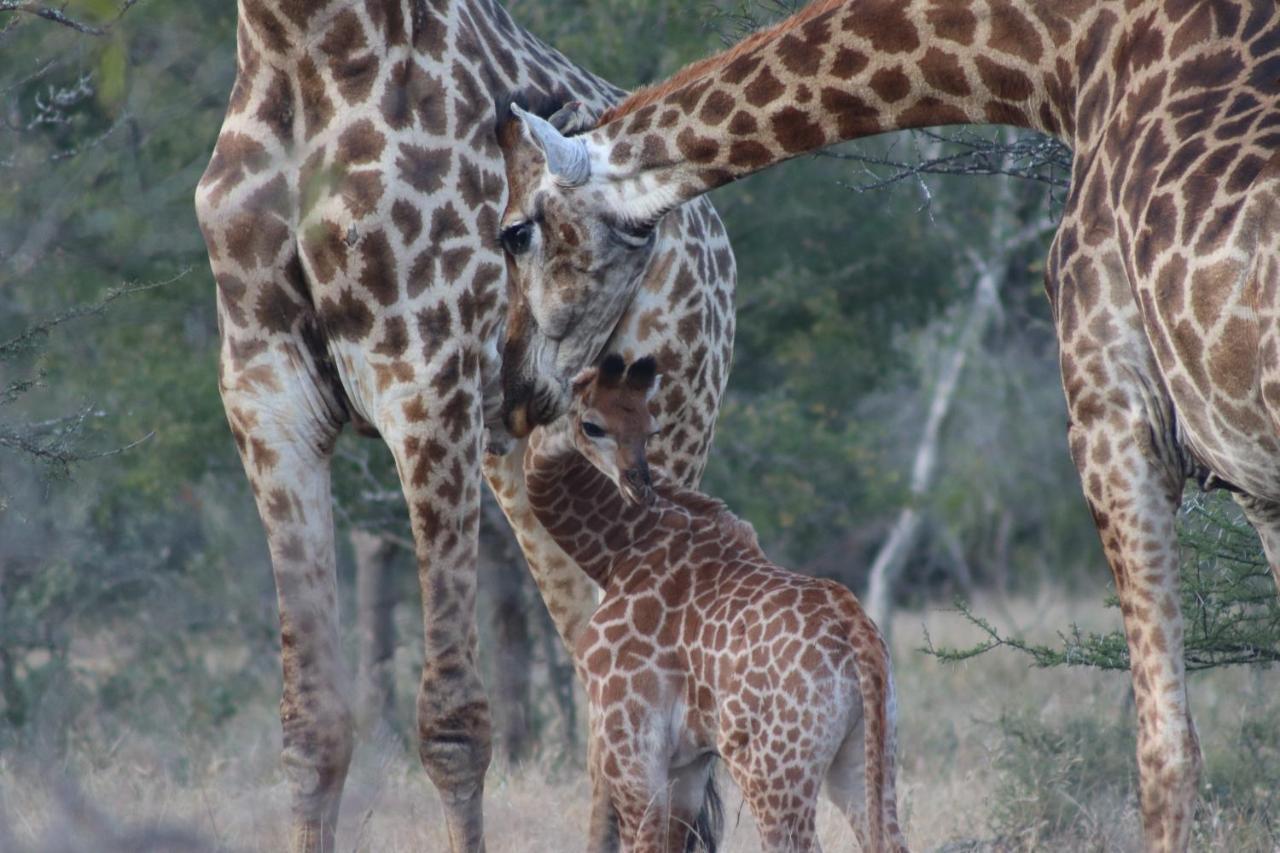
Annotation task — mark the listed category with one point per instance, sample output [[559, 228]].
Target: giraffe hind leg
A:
[[1264, 515], [860, 779], [1135, 515], [846, 782]]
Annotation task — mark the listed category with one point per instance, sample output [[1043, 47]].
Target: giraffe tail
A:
[[879, 711], [705, 837]]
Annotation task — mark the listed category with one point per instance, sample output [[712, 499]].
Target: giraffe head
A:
[[610, 422], [573, 265]]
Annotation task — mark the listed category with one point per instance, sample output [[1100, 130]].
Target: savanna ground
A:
[[993, 756]]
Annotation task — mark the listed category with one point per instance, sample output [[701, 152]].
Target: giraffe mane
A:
[[701, 505], [647, 95]]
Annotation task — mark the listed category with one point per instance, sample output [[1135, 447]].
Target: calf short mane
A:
[[647, 95], [704, 506]]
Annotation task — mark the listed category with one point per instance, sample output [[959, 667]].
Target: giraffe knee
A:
[[318, 741], [454, 740]]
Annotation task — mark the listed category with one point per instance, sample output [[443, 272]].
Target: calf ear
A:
[[584, 378]]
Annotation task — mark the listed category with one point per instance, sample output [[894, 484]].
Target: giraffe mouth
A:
[[637, 497], [543, 407], [637, 488]]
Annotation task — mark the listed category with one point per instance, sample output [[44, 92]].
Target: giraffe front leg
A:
[[436, 438], [1134, 495], [288, 468], [569, 594]]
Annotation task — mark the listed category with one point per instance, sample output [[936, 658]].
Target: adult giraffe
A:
[[1164, 276], [351, 212]]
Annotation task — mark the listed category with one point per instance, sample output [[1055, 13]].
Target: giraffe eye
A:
[[590, 430], [517, 238]]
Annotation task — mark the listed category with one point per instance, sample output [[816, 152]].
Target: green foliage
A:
[[104, 139], [628, 42]]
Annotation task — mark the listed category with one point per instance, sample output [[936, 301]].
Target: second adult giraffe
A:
[[350, 211], [1164, 276]]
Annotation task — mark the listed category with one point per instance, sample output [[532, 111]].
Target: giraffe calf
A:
[[702, 647]]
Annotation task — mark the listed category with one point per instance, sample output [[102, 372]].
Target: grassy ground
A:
[[994, 756]]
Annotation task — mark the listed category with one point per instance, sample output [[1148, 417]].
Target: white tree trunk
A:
[[375, 629], [988, 271], [893, 554]]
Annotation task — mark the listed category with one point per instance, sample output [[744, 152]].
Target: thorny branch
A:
[[1027, 156], [1232, 614], [58, 16], [53, 441], [28, 337]]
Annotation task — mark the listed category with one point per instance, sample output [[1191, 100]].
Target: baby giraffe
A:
[[703, 647]]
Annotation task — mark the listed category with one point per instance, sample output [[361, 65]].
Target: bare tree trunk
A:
[[893, 554], [1000, 551], [989, 270], [562, 681], [375, 628]]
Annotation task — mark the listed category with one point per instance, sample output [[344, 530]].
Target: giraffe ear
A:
[[573, 118], [566, 158], [584, 378]]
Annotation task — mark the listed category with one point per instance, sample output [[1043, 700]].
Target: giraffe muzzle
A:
[[637, 486]]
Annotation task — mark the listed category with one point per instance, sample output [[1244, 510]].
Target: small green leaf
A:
[[112, 66]]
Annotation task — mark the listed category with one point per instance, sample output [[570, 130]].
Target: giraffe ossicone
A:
[[1163, 277], [703, 648]]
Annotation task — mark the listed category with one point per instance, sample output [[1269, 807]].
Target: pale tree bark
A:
[[988, 269], [905, 532], [375, 629]]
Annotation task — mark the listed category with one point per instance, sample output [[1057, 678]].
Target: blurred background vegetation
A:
[[135, 590]]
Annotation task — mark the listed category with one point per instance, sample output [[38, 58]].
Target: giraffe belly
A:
[[1214, 322], [1237, 436]]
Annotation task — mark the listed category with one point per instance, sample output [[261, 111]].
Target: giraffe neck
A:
[[581, 508], [286, 27], [837, 71], [345, 30]]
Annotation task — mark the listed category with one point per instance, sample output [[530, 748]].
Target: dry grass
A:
[[971, 776]]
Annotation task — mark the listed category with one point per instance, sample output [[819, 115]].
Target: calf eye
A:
[[591, 430], [516, 238]]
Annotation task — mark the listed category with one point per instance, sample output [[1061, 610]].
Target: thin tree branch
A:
[[58, 16], [27, 337]]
